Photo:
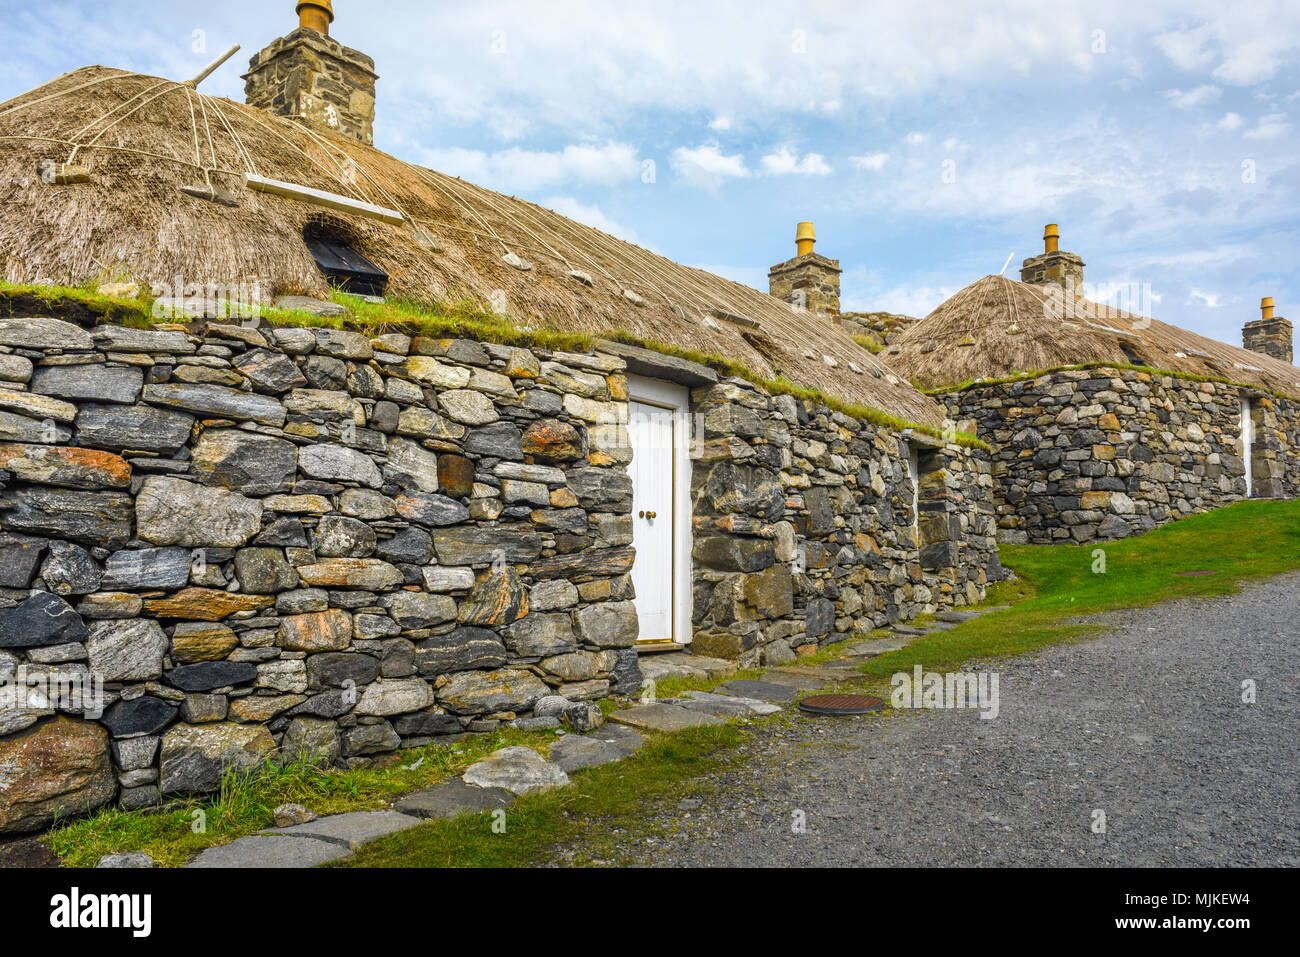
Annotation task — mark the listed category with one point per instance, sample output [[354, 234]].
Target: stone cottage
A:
[[1103, 422], [335, 542]]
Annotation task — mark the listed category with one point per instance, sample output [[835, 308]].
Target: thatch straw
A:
[[998, 328], [144, 138]]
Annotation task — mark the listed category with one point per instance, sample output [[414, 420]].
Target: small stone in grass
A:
[[287, 815]]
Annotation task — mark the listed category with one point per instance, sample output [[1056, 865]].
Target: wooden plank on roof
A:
[[320, 197]]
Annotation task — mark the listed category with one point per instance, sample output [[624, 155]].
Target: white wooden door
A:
[[653, 470], [1248, 444]]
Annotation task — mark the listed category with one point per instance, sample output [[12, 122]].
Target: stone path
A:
[[496, 781]]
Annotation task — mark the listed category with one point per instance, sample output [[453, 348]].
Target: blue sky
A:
[[927, 141]]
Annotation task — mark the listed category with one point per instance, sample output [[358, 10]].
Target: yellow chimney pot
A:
[[315, 15], [1266, 307], [804, 238], [1051, 238]]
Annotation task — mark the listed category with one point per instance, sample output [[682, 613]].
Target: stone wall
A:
[[311, 542], [301, 539], [1271, 337], [310, 76], [1105, 453], [811, 281], [1057, 268], [805, 531]]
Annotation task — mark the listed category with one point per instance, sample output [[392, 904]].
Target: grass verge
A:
[[1058, 584], [246, 801], [593, 816]]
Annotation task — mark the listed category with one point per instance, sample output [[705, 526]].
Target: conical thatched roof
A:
[[997, 327], [144, 138]]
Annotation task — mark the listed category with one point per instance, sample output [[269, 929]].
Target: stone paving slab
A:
[[663, 717], [451, 798], [573, 752], [619, 735], [957, 615], [725, 706], [518, 769], [266, 851], [768, 691], [348, 830], [912, 630], [801, 681], [872, 648], [678, 664], [831, 671]]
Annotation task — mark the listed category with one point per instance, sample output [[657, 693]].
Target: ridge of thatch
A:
[[144, 138], [997, 328]]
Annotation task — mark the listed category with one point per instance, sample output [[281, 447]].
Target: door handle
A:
[[645, 514]]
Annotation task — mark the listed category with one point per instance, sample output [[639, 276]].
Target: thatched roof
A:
[[143, 138], [997, 327]]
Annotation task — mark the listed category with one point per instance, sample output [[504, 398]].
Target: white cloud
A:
[[906, 300], [752, 276], [915, 138], [786, 161], [1230, 122], [1211, 299], [1255, 59], [720, 124], [871, 161], [1187, 48], [521, 170], [593, 216], [1269, 127], [706, 166], [1197, 96]]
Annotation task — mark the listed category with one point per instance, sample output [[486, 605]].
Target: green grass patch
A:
[[676, 687], [604, 808], [1058, 583], [246, 801], [80, 305], [870, 343]]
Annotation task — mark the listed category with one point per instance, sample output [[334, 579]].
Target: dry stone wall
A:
[[297, 539], [805, 530], [1106, 453], [220, 543]]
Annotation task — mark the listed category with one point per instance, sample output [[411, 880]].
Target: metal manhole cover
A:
[[841, 704]]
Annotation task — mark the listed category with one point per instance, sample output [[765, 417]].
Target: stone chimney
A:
[[312, 77], [1270, 334], [1053, 266], [808, 280]]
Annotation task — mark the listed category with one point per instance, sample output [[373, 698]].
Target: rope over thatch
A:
[[146, 140], [996, 328]]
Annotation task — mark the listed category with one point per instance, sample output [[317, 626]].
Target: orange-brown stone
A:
[[455, 475], [553, 441], [204, 604], [65, 466], [329, 630], [497, 598]]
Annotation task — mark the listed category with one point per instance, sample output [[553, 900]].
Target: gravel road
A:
[[1145, 724]]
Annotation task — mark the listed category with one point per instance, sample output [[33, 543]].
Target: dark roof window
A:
[[346, 268]]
